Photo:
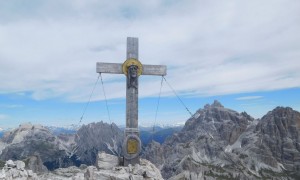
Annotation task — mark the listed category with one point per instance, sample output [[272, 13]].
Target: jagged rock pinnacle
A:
[[215, 104]]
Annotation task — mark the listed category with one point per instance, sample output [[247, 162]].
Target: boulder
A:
[[143, 171], [107, 161], [10, 164], [20, 165], [16, 171]]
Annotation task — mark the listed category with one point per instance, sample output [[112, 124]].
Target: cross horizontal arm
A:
[[159, 70], [116, 68], [113, 68]]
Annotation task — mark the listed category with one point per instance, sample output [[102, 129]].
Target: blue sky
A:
[[244, 54], [21, 108]]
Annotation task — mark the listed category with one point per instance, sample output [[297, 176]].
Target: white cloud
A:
[[249, 97], [3, 117], [210, 47], [10, 106]]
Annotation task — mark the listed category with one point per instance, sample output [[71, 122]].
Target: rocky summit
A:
[[218, 142], [107, 168]]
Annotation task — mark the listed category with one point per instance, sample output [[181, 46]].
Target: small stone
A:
[[20, 165], [78, 176], [30, 173], [14, 173], [10, 164], [90, 172], [2, 174], [83, 166], [130, 168]]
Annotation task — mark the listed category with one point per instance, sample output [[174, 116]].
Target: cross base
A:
[[132, 146]]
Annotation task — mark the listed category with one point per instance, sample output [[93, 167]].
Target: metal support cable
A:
[[178, 97], [218, 145], [108, 113], [158, 102], [105, 99], [87, 104]]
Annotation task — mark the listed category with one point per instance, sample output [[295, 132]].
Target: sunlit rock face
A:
[[219, 142], [95, 137], [35, 140], [279, 138], [39, 146]]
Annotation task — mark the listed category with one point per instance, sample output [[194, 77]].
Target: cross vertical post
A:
[[132, 68], [132, 142], [132, 85]]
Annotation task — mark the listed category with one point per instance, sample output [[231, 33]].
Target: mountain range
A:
[[221, 143], [215, 143]]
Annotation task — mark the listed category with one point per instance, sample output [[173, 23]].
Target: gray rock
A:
[[20, 165], [97, 137], [144, 171], [42, 150], [35, 164], [107, 161], [219, 142], [15, 171], [35, 140], [10, 164], [279, 138]]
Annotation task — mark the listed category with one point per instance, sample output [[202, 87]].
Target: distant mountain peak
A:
[[215, 104], [270, 144], [282, 112]]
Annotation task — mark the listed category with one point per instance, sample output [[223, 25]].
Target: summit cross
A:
[[132, 68]]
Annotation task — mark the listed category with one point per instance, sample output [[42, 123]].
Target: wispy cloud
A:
[[10, 106], [248, 98], [3, 117], [210, 47]]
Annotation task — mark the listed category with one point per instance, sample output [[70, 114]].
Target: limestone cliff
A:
[[221, 143]]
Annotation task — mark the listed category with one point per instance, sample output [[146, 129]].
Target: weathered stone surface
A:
[[97, 137], [42, 151], [154, 153], [16, 171], [10, 164], [219, 142], [107, 161], [35, 164], [20, 165], [279, 138], [200, 140], [189, 175], [35, 140], [144, 171]]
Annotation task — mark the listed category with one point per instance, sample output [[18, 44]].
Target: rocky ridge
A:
[[221, 143], [45, 151], [35, 140], [95, 137], [216, 142]]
